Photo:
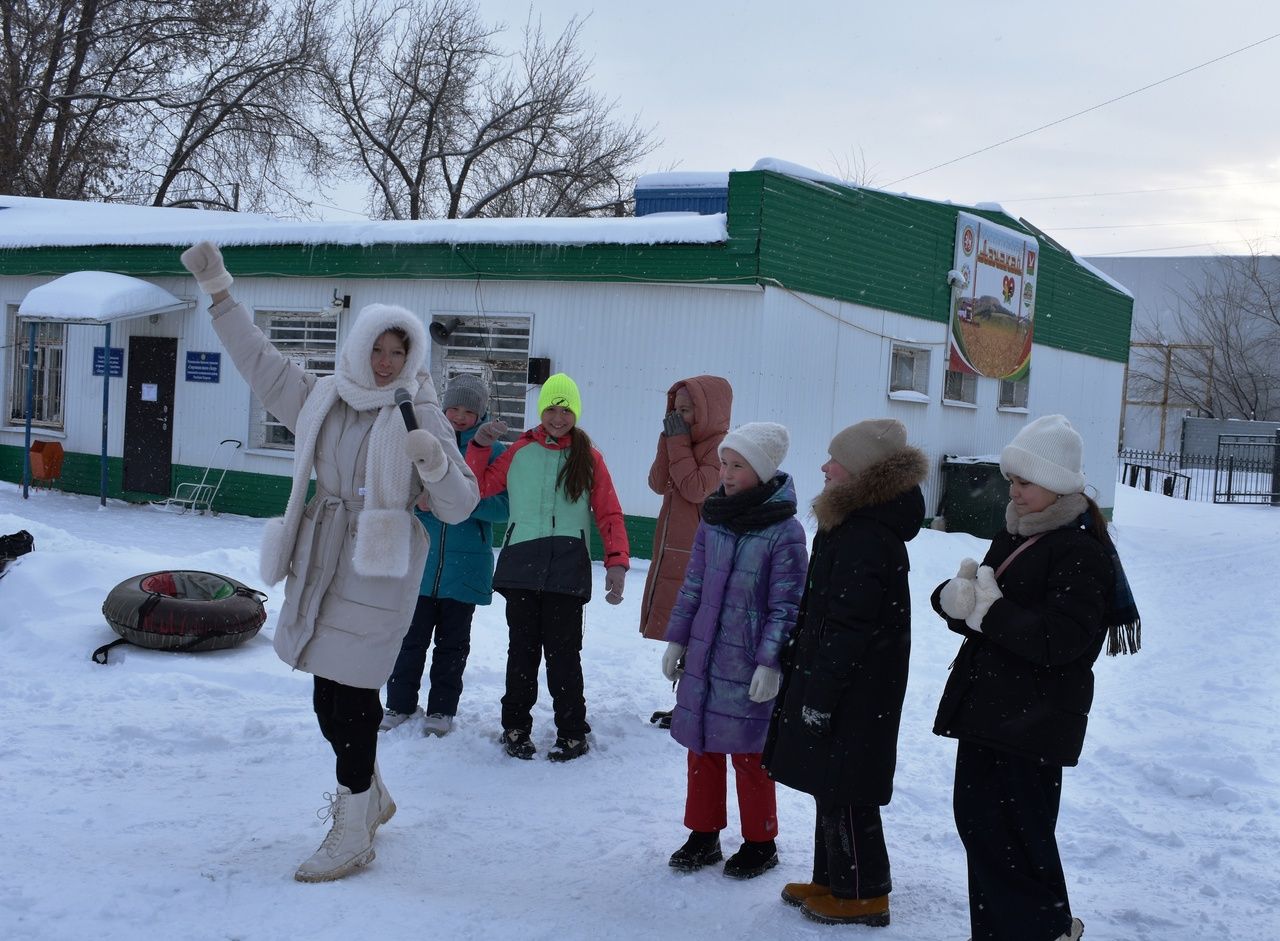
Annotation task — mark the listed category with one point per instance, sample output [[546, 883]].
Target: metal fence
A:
[[1245, 469]]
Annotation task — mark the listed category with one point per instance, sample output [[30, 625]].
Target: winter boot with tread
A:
[[348, 845], [754, 858], [701, 849], [796, 893], [831, 910]]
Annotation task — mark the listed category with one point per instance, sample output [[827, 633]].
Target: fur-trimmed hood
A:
[[879, 486]]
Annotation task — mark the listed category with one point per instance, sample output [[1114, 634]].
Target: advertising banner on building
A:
[[993, 299]]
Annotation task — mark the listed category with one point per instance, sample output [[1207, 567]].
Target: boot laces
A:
[[335, 810]]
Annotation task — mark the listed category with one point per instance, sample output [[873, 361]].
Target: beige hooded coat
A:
[[336, 622], [685, 471]]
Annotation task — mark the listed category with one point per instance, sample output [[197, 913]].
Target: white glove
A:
[[986, 593], [614, 577], [205, 262], [671, 661], [765, 683], [427, 454]]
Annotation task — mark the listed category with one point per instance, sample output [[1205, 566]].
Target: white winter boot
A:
[[349, 844], [1074, 933], [381, 807]]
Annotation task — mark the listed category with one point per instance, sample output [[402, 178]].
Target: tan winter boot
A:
[[381, 807], [349, 843], [836, 911], [796, 893]]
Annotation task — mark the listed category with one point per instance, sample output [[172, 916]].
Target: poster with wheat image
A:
[[993, 299]]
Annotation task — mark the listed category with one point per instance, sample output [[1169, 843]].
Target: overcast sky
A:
[[886, 90]]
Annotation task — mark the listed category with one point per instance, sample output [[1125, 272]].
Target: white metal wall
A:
[[816, 365]]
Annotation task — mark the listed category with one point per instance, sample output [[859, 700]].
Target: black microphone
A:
[[405, 401]]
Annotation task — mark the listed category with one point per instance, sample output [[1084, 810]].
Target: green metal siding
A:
[[881, 250], [893, 253]]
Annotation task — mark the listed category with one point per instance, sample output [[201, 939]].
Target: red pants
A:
[[704, 807]]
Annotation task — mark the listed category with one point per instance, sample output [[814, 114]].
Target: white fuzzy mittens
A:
[[969, 596]]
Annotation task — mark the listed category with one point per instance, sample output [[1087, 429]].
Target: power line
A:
[[1077, 114], [1164, 189], [1169, 248], [1153, 225]]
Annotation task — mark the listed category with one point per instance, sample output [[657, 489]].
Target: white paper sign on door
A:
[[149, 391]]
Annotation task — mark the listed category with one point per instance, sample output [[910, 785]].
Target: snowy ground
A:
[[171, 795]]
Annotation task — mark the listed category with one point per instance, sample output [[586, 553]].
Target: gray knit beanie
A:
[[466, 391], [867, 443]]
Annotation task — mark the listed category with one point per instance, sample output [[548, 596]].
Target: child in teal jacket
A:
[[457, 577]]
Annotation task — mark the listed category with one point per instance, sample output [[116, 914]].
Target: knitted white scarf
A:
[[384, 527]]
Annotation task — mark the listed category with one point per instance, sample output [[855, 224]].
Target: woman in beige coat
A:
[[352, 556], [685, 470]]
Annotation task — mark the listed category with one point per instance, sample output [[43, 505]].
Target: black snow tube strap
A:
[[100, 655]]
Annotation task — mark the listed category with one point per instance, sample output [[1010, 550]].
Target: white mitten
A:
[[427, 454], [765, 683], [204, 261], [986, 593], [958, 597], [671, 661]]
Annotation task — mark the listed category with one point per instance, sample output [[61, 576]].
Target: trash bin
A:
[[46, 461], [974, 495]]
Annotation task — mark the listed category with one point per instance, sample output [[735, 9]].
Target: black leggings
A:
[[349, 719]]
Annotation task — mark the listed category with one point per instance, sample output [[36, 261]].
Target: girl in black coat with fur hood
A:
[[834, 732], [1034, 618]]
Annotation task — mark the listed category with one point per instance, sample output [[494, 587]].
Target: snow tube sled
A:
[[182, 611]]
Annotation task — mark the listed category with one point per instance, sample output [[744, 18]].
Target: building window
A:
[[310, 339], [1013, 394], [497, 350], [909, 370], [958, 386], [49, 377]]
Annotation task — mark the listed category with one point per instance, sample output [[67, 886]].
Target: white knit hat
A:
[[763, 443], [1047, 452]]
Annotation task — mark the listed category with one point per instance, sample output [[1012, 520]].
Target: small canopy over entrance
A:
[[89, 297]]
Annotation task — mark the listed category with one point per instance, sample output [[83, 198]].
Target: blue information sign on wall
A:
[[204, 367], [116, 362]]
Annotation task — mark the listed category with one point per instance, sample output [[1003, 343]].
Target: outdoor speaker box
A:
[[539, 370]]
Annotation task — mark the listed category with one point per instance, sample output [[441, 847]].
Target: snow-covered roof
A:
[[98, 297], [29, 222]]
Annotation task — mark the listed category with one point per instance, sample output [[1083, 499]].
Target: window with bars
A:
[[48, 377], [958, 386], [310, 339], [1013, 394], [495, 348], [909, 369]]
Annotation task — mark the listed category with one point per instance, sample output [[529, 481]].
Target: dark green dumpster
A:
[[974, 496]]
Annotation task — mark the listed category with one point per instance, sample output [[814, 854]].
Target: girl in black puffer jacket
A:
[[1034, 616]]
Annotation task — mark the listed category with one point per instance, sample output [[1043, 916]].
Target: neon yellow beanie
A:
[[562, 391]]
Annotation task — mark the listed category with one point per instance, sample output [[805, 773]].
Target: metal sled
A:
[[200, 496]]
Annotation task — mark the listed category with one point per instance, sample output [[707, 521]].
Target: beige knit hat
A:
[[1047, 452], [866, 443], [763, 443]]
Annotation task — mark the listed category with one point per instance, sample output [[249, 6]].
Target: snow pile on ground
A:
[[172, 795]]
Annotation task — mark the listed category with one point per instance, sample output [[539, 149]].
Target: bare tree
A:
[[1219, 353], [444, 123], [168, 102]]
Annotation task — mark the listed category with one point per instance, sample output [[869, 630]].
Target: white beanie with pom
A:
[[1047, 452]]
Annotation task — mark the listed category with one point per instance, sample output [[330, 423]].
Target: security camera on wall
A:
[[441, 331]]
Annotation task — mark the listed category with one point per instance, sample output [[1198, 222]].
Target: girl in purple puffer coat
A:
[[733, 616]]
